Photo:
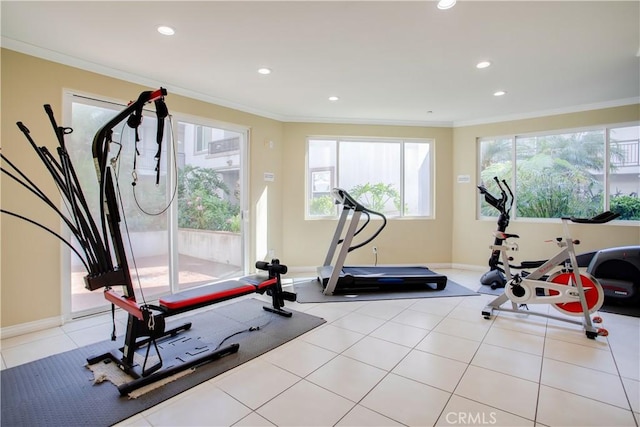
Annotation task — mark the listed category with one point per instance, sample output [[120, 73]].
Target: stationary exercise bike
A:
[[569, 291], [617, 269]]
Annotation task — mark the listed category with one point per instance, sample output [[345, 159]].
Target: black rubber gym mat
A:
[[59, 391], [309, 291], [486, 289]]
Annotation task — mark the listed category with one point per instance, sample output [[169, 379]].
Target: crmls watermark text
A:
[[471, 418]]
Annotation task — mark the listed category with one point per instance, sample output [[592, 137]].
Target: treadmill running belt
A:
[[366, 278]]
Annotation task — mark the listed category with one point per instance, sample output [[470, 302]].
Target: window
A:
[[573, 173], [390, 176]]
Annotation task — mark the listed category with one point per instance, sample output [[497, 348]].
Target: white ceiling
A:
[[390, 62]]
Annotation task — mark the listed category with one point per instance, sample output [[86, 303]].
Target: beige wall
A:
[[405, 241], [30, 287], [31, 284], [472, 237]]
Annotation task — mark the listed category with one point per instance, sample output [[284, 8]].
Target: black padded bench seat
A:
[[216, 292]]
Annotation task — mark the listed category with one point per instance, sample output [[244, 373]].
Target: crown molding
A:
[[61, 58], [82, 64], [554, 112]]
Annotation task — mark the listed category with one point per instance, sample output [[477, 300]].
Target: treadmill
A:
[[338, 279]]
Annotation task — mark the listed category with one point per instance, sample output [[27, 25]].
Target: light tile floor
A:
[[422, 362]]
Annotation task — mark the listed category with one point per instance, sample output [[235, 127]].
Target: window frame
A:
[[200, 146], [339, 139], [513, 137]]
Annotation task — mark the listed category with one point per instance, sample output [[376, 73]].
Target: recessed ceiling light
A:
[[333, 98], [167, 31], [483, 64], [446, 4], [264, 70], [499, 93]]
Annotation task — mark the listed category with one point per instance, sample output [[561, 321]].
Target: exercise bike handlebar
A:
[[501, 203], [601, 218], [488, 197]]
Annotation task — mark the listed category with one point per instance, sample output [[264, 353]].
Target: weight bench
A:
[[217, 292], [146, 324]]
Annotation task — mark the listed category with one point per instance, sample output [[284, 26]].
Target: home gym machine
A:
[[617, 269], [339, 279], [146, 326], [146, 322]]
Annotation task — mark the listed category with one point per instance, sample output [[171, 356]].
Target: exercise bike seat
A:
[[531, 264]]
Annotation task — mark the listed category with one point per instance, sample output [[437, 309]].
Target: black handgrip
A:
[[59, 130], [49, 111], [23, 128], [604, 215], [499, 204], [601, 218]]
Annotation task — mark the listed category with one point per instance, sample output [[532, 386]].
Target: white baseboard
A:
[[35, 326], [311, 271], [469, 267], [438, 265]]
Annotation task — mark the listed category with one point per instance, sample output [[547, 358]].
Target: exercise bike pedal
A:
[[599, 332], [496, 285]]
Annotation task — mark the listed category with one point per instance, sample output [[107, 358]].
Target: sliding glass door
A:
[[209, 233], [182, 230]]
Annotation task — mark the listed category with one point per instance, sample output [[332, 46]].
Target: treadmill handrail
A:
[[345, 199], [348, 202]]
